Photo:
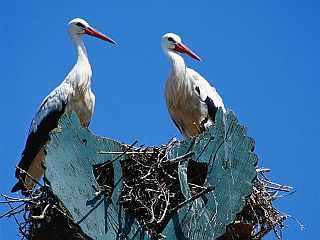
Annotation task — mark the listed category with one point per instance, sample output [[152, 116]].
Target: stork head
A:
[[172, 42], [79, 26]]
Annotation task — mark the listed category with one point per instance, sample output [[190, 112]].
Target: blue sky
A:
[[262, 56]]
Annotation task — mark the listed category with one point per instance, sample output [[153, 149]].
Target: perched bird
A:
[[73, 94], [192, 103]]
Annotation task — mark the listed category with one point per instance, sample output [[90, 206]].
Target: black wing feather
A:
[[212, 109], [35, 142]]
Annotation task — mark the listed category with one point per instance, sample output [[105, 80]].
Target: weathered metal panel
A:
[[231, 172], [70, 156], [226, 149]]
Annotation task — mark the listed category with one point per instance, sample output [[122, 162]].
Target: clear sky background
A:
[[262, 56]]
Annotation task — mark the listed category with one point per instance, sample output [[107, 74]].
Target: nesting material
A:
[[151, 193]]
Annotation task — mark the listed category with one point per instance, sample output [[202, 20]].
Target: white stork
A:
[[192, 103], [73, 94]]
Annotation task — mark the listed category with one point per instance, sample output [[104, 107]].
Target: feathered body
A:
[[73, 94], [191, 101]]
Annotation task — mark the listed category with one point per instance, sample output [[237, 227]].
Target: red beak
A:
[[180, 47], [93, 32]]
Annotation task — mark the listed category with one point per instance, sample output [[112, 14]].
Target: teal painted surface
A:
[[70, 156], [72, 152], [231, 172]]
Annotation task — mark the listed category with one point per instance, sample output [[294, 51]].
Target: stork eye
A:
[[79, 24], [170, 39]]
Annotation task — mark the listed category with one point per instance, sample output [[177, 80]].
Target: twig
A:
[[276, 184], [33, 179], [42, 216], [16, 200], [281, 188], [126, 153], [277, 234], [179, 158], [283, 195], [263, 170], [196, 185], [166, 198], [128, 148], [16, 220], [205, 191], [302, 227], [11, 212]]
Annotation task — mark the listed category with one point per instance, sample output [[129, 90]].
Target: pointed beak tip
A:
[[195, 57], [180, 47], [95, 33]]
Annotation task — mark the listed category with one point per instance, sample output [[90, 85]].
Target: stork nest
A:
[[151, 193], [259, 216], [42, 216]]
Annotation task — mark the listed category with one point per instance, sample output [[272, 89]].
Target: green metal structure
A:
[[226, 150]]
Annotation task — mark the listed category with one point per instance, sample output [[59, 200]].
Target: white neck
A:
[[80, 48], [178, 64], [81, 72]]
